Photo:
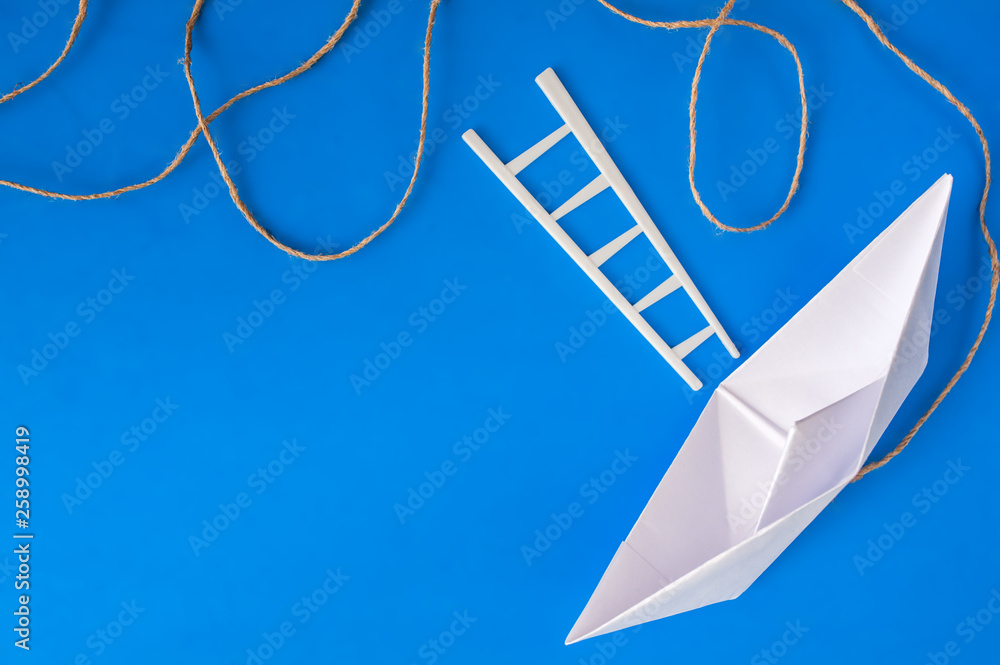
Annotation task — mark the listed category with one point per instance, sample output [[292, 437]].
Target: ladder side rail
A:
[[572, 116]]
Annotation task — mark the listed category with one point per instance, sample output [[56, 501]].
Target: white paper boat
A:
[[782, 435]]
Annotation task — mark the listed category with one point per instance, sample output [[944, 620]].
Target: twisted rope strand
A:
[[234, 192], [714, 25], [81, 14], [722, 19], [193, 137], [991, 247]]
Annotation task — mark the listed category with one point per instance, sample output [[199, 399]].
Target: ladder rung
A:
[[692, 342], [670, 285], [589, 191], [612, 248], [517, 164]]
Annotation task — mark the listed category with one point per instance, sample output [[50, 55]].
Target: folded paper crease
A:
[[782, 435]]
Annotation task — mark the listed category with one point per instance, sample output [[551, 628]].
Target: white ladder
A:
[[609, 176]]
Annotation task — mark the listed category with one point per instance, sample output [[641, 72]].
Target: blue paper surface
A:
[[428, 452]]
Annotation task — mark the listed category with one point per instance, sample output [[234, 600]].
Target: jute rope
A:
[[713, 24], [994, 267], [722, 19], [81, 13], [234, 193], [186, 148]]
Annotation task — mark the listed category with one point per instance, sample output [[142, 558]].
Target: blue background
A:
[[495, 347]]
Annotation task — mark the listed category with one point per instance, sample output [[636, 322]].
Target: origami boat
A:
[[782, 435]]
